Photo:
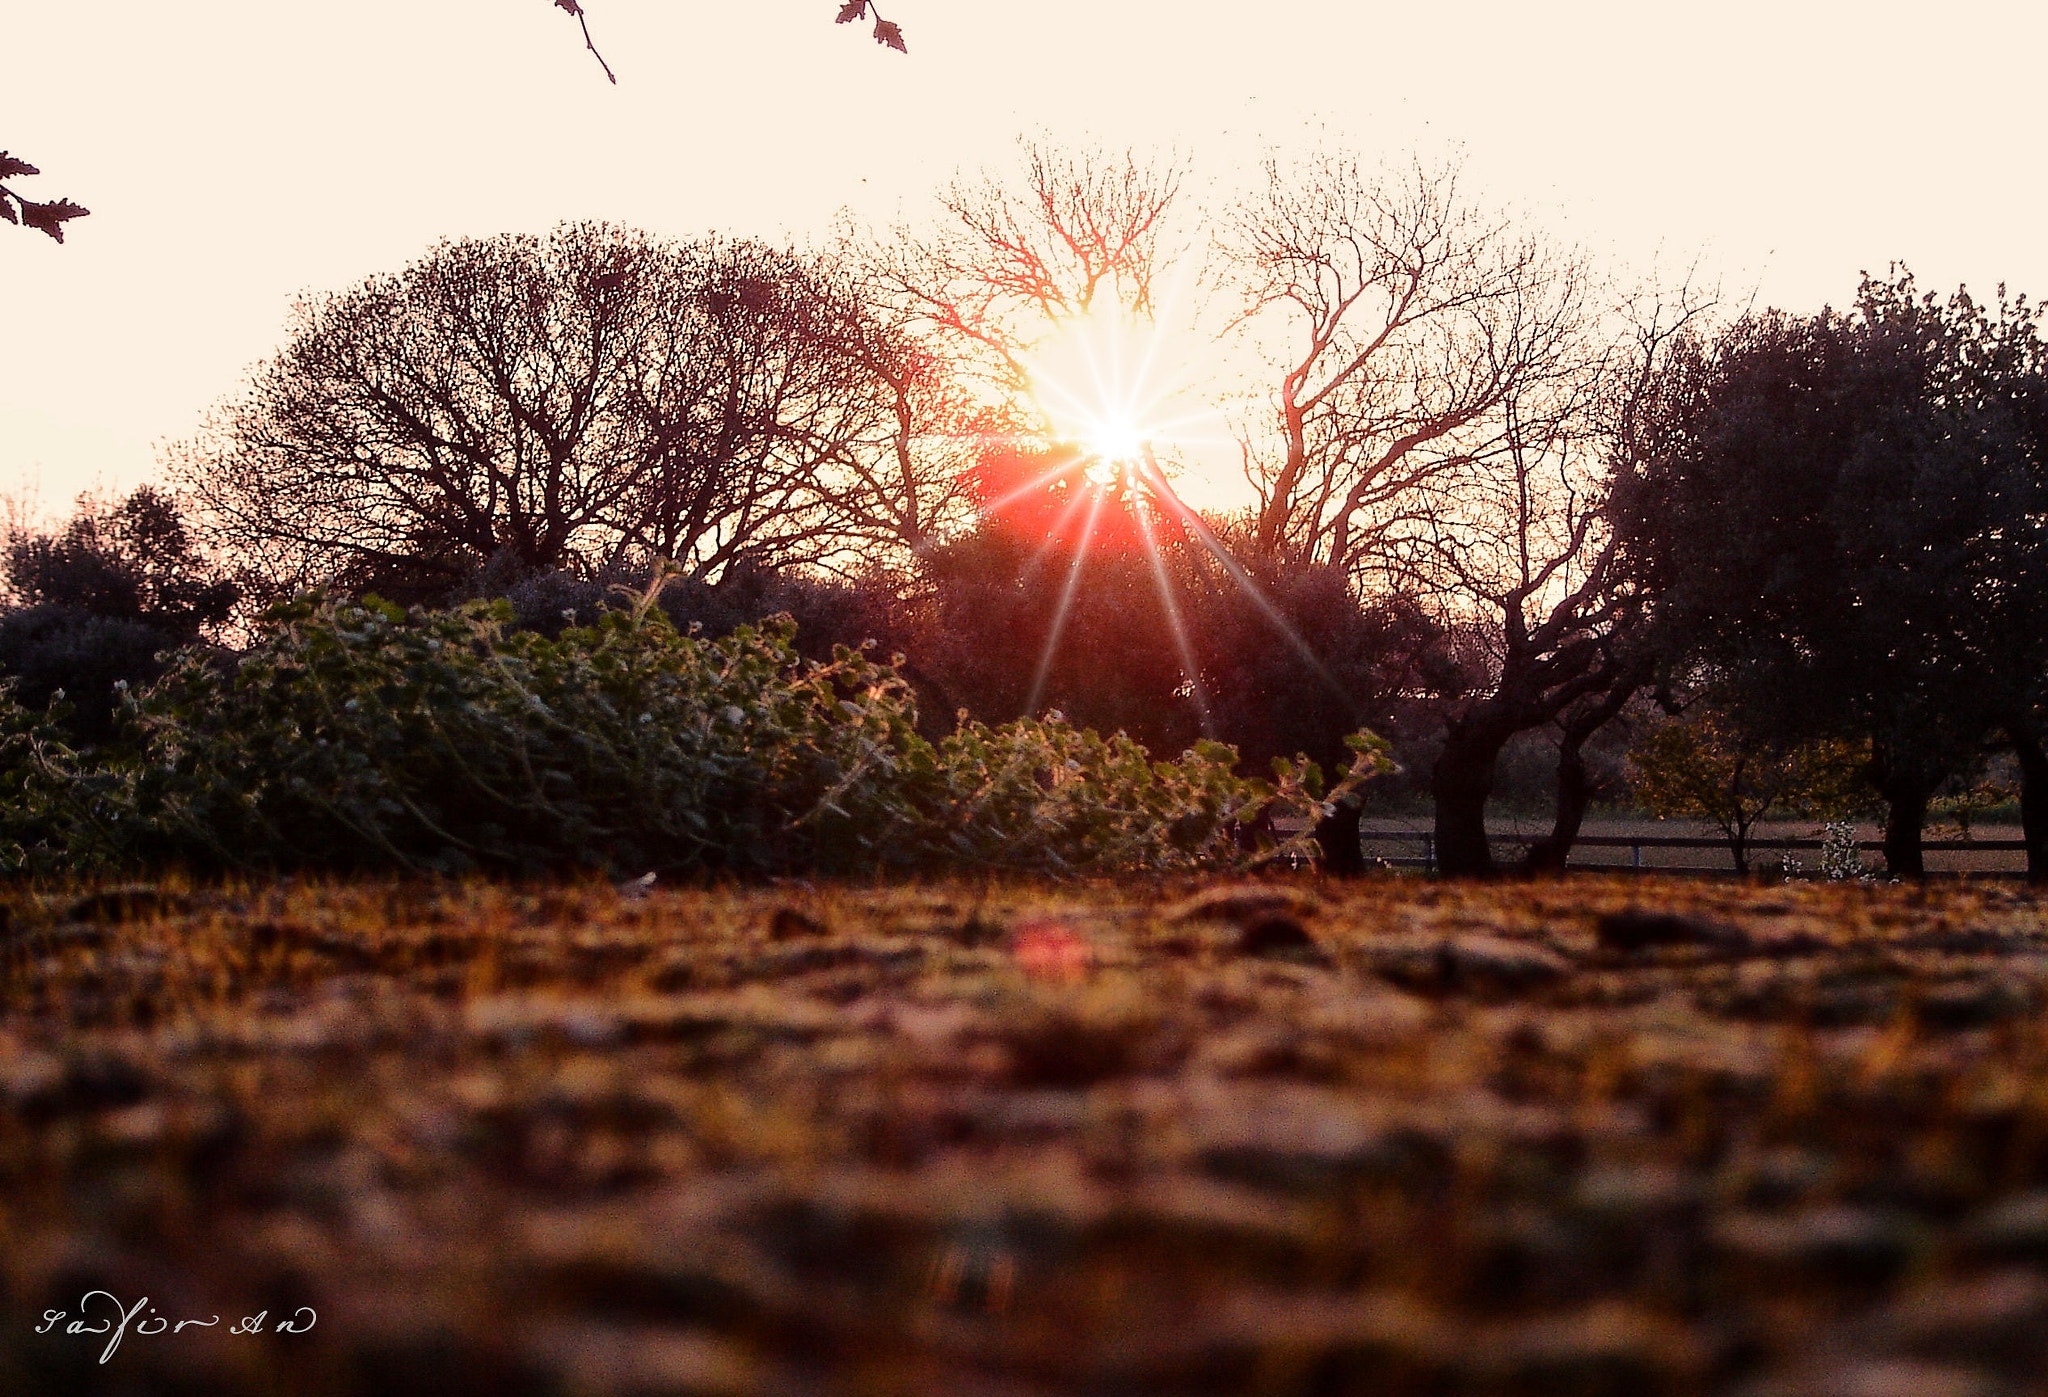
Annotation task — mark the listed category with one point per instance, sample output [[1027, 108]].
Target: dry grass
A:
[[1031, 1140]]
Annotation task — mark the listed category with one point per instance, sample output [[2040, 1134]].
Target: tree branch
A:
[[575, 8], [45, 217]]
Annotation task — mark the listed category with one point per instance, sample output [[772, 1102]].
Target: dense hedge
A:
[[355, 735]]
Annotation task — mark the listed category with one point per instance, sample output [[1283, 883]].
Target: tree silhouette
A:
[[575, 402], [1397, 321], [94, 604], [1841, 515]]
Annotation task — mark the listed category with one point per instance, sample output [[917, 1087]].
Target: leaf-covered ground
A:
[[1583, 1137]]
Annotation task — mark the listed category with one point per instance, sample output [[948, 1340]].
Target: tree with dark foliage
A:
[[1077, 595], [1304, 661], [133, 561], [99, 600], [1842, 516], [1052, 602]]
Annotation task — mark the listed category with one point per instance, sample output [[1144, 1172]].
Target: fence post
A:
[[1429, 853], [1635, 858]]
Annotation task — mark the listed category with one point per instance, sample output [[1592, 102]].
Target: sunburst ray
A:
[[1064, 610]]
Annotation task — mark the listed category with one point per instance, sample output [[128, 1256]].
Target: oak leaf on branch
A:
[[49, 218]]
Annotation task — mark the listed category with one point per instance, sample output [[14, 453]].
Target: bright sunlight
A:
[[1124, 388], [1098, 380]]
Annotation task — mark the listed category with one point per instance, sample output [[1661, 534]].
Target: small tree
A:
[[1967, 799], [1708, 768], [97, 601]]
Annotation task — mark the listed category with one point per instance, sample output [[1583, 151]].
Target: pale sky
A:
[[236, 152]]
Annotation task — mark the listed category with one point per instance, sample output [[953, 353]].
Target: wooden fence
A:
[[1760, 851]]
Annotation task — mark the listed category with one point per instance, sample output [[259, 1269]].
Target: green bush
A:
[[358, 735], [60, 812], [354, 735], [1041, 794]]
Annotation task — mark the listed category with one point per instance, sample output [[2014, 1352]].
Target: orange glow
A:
[[1069, 498]]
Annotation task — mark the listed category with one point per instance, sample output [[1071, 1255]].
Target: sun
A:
[[1140, 397], [1120, 398], [1114, 437], [1096, 379]]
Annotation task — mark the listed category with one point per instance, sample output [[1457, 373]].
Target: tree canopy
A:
[[1842, 515], [577, 401], [98, 601]]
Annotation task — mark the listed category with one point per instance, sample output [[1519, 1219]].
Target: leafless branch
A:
[[575, 7]]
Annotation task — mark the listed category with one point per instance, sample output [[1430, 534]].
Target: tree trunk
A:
[[2033, 803], [1461, 782], [1574, 794], [1574, 782], [1336, 835], [1906, 811]]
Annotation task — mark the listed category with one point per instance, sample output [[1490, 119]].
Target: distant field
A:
[[1599, 1136]]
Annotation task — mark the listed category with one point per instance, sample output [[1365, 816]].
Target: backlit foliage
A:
[[355, 735]]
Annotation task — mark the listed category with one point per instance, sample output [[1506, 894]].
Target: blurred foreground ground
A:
[[1617, 1136]]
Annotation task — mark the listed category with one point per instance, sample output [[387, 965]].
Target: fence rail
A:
[[1636, 843]]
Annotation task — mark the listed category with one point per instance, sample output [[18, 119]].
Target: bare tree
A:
[[557, 403], [1397, 322], [1013, 261], [896, 488], [1520, 552]]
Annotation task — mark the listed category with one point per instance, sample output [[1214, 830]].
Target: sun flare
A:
[[1114, 438], [1096, 380], [1133, 395]]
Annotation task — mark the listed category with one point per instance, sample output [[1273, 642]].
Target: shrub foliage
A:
[[355, 735]]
